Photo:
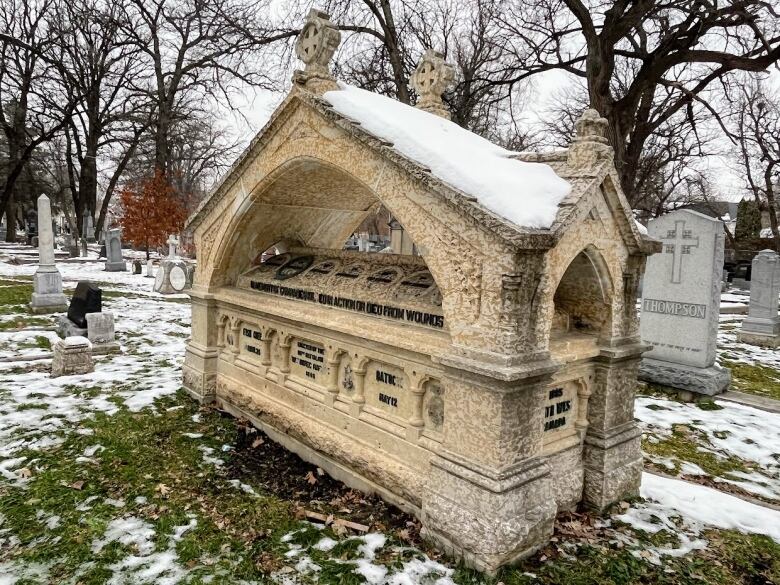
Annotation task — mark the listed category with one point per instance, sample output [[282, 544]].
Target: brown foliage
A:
[[152, 211]]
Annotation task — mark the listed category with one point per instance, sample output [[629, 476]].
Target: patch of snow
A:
[[698, 506], [207, 458], [527, 194], [92, 449], [192, 435]]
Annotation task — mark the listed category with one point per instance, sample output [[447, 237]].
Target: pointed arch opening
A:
[[583, 298]]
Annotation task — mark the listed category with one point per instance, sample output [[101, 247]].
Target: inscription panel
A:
[[385, 390], [560, 410], [307, 360], [251, 339]]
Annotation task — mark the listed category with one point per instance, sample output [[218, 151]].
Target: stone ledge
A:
[[708, 381], [759, 339], [495, 480]]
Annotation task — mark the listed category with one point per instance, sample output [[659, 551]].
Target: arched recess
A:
[[582, 302], [305, 202]]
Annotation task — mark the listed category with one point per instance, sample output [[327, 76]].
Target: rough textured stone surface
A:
[[709, 381], [483, 385], [72, 355]]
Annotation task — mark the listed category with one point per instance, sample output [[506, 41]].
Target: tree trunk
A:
[[10, 215]]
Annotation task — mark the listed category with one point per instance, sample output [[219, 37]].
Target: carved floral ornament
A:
[[430, 80]]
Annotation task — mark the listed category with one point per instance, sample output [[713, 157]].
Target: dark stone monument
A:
[[136, 267], [86, 299]]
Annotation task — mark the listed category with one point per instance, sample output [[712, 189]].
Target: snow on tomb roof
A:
[[525, 193]]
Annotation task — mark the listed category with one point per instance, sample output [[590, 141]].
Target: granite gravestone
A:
[[86, 299], [681, 302], [149, 269], [114, 261], [88, 227], [762, 325], [100, 332], [47, 281]]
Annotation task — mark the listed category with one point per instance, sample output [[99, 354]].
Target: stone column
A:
[[762, 325], [200, 360], [612, 454], [490, 494], [47, 281]]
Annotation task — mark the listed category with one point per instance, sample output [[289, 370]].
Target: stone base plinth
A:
[[72, 355], [488, 520], [67, 328], [762, 332], [48, 296], [120, 266], [613, 465], [708, 381], [52, 303], [105, 348]]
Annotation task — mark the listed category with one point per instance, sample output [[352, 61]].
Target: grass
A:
[[684, 445], [238, 536], [14, 297], [754, 379]]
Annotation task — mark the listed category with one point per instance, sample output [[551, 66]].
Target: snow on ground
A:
[[685, 509], [37, 412], [461, 158], [733, 430], [420, 569]]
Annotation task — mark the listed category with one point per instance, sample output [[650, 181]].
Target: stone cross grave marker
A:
[[681, 303], [762, 325], [172, 242], [47, 281]]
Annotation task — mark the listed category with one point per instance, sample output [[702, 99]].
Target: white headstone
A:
[[114, 260], [150, 268], [762, 325], [173, 241], [681, 303], [47, 281], [100, 332]]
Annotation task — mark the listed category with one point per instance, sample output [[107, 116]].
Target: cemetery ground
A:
[[119, 477]]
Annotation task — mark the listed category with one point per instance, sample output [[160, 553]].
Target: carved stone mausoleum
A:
[[483, 385]]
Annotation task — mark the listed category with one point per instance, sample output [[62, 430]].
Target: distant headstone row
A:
[[762, 325]]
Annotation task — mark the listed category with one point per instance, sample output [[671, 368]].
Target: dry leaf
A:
[[311, 478], [77, 485], [25, 472], [320, 471], [257, 442], [162, 489]]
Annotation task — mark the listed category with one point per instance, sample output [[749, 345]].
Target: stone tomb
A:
[[762, 325], [483, 385], [681, 303]]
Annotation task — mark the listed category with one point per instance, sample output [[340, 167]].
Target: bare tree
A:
[[32, 109], [109, 117], [195, 49], [644, 62], [755, 125]]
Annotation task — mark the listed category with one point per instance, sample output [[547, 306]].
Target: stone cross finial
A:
[[172, 242], [318, 40], [590, 147], [430, 80]]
